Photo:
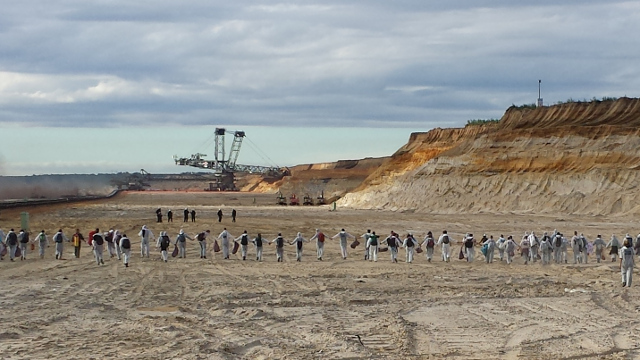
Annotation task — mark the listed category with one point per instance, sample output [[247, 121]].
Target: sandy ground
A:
[[234, 309]]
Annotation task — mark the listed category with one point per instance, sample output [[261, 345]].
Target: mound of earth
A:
[[575, 158]]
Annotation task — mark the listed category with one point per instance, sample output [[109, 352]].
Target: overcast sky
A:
[[390, 67]]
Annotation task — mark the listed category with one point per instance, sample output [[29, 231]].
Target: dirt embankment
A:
[[578, 158]]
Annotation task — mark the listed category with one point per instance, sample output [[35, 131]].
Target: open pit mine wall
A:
[[577, 158]]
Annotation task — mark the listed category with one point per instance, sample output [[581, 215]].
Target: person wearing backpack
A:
[[146, 236], [116, 242], [373, 246], [43, 243], [525, 247], [11, 242], [557, 247], [535, 246], [279, 240], [181, 242], [98, 246], [258, 243], [343, 235], [587, 248], [490, 246], [510, 248], [576, 246], [469, 243], [546, 249], [599, 245], [244, 243], [627, 263], [298, 242], [393, 243], [202, 241], [445, 241], [429, 244], [163, 243], [23, 238], [111, 246], [125, 247], [366, 236], [501, 243], [59, 239], [409, 244], [319, 238], [614, 244]]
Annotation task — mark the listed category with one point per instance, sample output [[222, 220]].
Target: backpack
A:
[[279, 242], [42, 237], [431, 243], [58, 238], [410, 242], [164, 244], [244, 240], [13, 239], [97, 238], [144, 232], [126, 244], [299, 244], [525, 244], [321, 237], [558, 241], [445, 239], [258, 241], [182, 238], [25, 238], [200, 237], [468, 243], [374, 240]]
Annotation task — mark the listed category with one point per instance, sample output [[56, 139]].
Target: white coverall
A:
[[298, 241], [626, 265], [428, 250], [145, 236], [43, 242], [393, 244], [182, 245], [491, 246], [409, 244], [366, 237], [446, 248], [258, 243], [546, 249], [510, 248], [98, 249], [614, 244], [243, 247], [576, 244], [126, 253], [343, 242], [59, 238], [599, 245], [116, 242], [23, 245], [224, 239], [501, 243], [319, 238], [373, 244], [535, 245]]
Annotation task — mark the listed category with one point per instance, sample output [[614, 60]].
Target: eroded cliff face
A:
[[580, 158]]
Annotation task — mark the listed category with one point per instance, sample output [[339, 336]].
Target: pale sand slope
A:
[[215, 309]]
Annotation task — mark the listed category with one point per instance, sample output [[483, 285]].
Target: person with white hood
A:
[[599, 245], [627, 262], [97, 242], [614, 244], [224, 239], [491, 247], [111, 245], [202, 241], [565, 248], [501, 246], [535, 246], [23, 238], [181, 242], [429, 244], [145, 237], [125, 248], [116, 243], [244, 242], [366, 236], [546, 248], [298, 241], [409, 244], [59, 239], [556, 242], [393, 242], [319, 238], [373, 245], [576, 246], [343, 241], [587, 248], [43, 243], [469, 242], [445, 242], [510, 248], [163, 243], [525, 248], [11, 241]]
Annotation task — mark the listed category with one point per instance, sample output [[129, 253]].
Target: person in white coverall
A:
[[224, 238], [98, 247], [163, 244], [445, 242], [298, 242], [116, 242], [343, 241], [181, 241], [614, 244], [409, 244], [145, 237], [11, 241], [510, 249], [546, 249], [626, 263], [244, 243], [43, 243], [556, 242], [491, 247], [576, 246], [319, 238], [535, 246], [366, 236], [59, 239], [586, 248], [373, 244], [501, 246], [258, 243], [525, 248], [23, 238], [125, 248], [429, 243], [599, 245], [202, 241]]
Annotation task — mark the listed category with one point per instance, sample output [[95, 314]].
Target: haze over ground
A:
[[141, 69]]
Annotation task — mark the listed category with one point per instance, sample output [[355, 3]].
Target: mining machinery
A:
[[224, 168]]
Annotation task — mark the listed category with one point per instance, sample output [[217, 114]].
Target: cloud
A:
[[335, 63]]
